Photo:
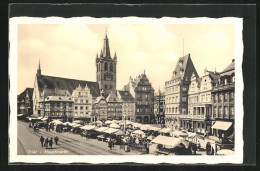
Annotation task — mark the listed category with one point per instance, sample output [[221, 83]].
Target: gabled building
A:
[[176, 91], [106, 69], [128, 105], [141, 89], [100, 109], [223, 103], [57, 107], [56, 86], [82, 103], [114, 107], [25, 102], [198, 118]]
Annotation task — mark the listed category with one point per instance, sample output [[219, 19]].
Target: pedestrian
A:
[[46, 142], [113, 142], [110, 144], [42, 140], [56, 139], [51, 142]]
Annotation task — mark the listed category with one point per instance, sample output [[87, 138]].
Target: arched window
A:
[[106, 67], [111, 67]]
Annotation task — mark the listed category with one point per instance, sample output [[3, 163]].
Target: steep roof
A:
[[56, 92], [59, 98], [229, 67], [106, 50], [99, 98], [112, 98], [51, 82], [23, 94], [126, 96], [214, 76], [184, 65]]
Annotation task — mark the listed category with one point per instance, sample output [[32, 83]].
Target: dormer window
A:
[[180, 62], [181, 71]]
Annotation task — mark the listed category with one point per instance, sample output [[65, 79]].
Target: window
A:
[[198, 125], [232, 95], [86, 101], [58, 104], [220, 111], [105, 86], [86, 107], [81, 107], [233, 79], [76, 113], [183, 110], [220, 97], [184, 89], [106, 67], [176, 110], [184, 99], [232, 112], [79, 93], [81, 101], [215, 111], [111, 67], [226, 97], [226, 110], [177, 99], [76, 107], [173, 99], [111, 86]]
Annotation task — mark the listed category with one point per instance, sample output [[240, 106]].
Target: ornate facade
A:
[[176, 91], [223, 103], [82, 103], [128, 105], [141, 89]]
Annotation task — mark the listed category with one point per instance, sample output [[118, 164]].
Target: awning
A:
[[154, 128], [139, 132], [222, 125], [101, 129], [165, 130], [110, 131], [44, 119], [119, 132], [169, 141]]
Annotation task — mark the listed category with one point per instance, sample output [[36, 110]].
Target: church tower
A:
[[106, 69]]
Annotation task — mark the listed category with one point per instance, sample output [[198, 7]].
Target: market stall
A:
[[166, 145]]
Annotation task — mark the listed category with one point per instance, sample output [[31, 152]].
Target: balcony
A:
[[224, 87]]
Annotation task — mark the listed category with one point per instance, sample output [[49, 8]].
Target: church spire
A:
[[39, 69], [106, 50]]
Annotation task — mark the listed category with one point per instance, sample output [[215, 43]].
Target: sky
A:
[[69, 50]]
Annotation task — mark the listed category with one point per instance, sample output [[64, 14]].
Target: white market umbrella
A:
[[145, 127], [138, 132], [108, 122], [114, 125]]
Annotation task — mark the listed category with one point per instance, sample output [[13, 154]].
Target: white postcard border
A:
[[98, 159]]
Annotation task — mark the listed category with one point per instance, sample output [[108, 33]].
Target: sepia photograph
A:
[[129, 86]]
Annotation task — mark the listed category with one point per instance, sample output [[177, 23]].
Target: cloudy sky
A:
[[70, 50]]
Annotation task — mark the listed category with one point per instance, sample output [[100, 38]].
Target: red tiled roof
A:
[[51, 82]]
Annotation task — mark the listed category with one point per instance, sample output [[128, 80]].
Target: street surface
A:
[[69, 144]]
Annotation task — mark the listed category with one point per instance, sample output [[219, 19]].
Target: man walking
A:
[[46, 142], [51, 142], [42, 140], [56, 139]]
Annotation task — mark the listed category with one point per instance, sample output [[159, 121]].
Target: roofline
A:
[[70, 78]]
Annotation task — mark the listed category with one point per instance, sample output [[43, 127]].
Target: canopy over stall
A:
[[119, 132], [167, 141], [222, 125], [88, 127], [154, 128], [102, 129], [139, 132], [114, 125], [145, 127], [108, 122], [110, 130], [165, 130]]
